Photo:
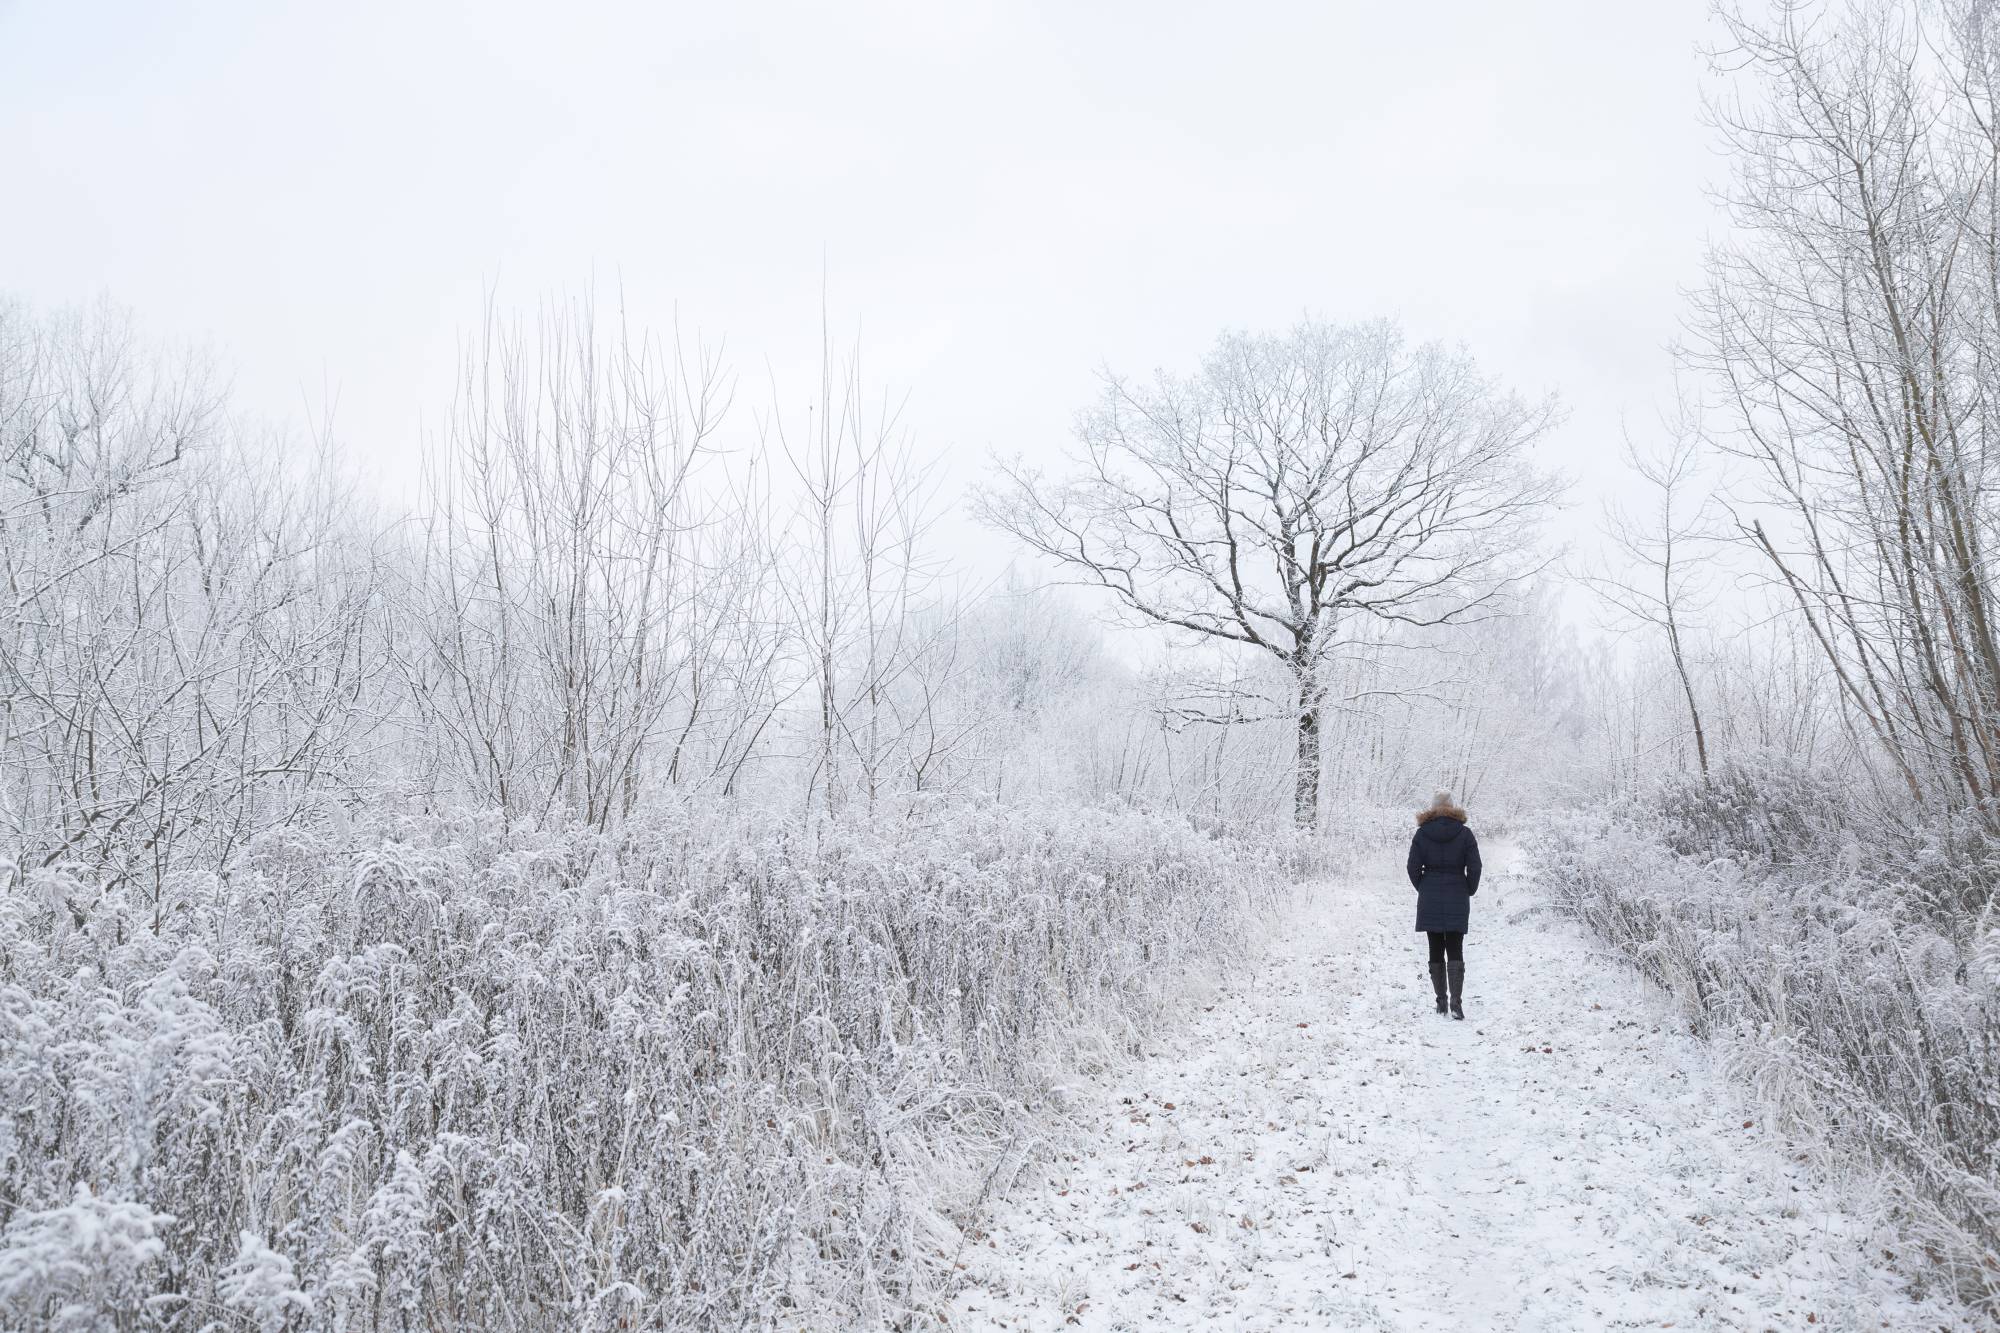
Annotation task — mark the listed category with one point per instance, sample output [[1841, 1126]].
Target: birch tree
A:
[[1291, 486]]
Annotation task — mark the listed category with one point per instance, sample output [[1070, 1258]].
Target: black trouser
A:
[[1447, 944]]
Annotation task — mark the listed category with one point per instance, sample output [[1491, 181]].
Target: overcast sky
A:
[[1004, 196]]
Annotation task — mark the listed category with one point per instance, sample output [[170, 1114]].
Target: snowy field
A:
[[1318, 1150], [693, 764]]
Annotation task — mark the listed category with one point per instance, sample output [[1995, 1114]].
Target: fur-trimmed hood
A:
[[1440, 812]]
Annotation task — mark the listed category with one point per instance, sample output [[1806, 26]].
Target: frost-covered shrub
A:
[[1856, 996], [450, 1074], [86, 1264], [1765, 809]]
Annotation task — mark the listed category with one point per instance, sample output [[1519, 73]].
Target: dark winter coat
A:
[[1444, 869]]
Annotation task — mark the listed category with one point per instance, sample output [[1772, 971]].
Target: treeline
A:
[[1811, 862], [625, 891], [615, 584], [637, 885]]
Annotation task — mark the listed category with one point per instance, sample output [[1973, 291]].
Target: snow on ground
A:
[[1319, 1150]]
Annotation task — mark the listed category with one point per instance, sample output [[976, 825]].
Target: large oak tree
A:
[[1291, 483]]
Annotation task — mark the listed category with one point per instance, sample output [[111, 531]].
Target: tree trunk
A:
[[1306, 794], [1687, 691]]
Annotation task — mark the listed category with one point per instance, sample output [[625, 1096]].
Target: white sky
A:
[[1004, 196]]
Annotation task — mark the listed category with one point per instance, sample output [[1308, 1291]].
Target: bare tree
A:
[[1666, 583], [1852, 329], [182, 664], [1293, 483], [566, 616], [859, 583]]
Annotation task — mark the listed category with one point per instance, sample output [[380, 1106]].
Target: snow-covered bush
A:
[[1835, 957], [703, 1071], [86, 1264]]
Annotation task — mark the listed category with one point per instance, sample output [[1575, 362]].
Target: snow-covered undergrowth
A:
[[445, 1074], [1851, 968]]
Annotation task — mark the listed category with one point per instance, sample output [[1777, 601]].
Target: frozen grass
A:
[[451, 1075], [1847, 965]]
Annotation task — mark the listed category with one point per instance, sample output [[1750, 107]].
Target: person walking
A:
[[1444, 870]]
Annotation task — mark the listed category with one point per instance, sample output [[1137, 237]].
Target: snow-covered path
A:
[[1320, 1151]]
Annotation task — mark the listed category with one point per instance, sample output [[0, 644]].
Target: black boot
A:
[[1457, 973], [1437, 983]]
